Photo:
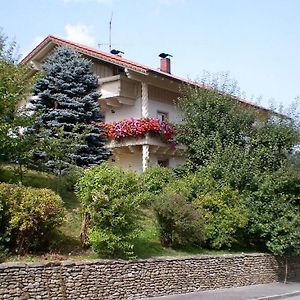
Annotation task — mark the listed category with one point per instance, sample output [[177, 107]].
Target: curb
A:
[[275, 297]]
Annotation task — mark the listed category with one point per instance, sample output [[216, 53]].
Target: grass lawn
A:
[[66, 241]]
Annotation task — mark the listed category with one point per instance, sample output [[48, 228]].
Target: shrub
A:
[[110, 198], [70, 178], [224, 212], [27, 216], [4, 221], [275, 212], [3, 253], [180, 223], [153, 180], [222, 208], [186, 186]]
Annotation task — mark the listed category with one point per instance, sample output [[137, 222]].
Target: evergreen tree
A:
[[68, 99]]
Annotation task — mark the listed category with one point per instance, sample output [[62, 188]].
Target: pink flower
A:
[[138, 128]]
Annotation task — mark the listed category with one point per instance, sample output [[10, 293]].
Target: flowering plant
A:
[[138, 128]]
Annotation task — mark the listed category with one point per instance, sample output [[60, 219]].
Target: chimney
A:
[[165, 65]]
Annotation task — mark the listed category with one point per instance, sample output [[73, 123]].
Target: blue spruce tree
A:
[[68, 101]]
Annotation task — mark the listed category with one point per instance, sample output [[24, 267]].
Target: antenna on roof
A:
[[110, 31]]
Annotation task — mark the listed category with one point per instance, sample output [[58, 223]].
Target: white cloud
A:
[[80, 33]]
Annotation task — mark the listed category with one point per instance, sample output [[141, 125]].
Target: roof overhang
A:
[[40, 52], [133, 70]]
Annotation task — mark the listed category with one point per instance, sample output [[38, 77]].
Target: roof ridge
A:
[[112, 58], [109, 56]]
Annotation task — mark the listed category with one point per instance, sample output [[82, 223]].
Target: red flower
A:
[[138, 128]]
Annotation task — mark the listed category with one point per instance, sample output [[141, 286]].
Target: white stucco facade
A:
[[128, 90], [123, 98]]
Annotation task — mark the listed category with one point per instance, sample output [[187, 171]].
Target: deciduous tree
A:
[[15, 87]]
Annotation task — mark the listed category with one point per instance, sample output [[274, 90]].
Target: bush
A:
[[186, 186], [70, 178], [155, 178], [224, 211], [222, 208], [275, 212], [4, 221], [3, 253], [152, 182], [180, 223], [27, 216], [110, 198]]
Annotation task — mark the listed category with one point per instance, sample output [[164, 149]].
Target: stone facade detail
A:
[[137, 279]]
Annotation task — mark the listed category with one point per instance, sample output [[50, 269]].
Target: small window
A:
[[163, 163], [117, 71], [162, 116]]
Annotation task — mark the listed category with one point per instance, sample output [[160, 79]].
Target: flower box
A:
[[139, 128]]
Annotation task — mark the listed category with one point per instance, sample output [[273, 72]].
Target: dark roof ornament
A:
[[116, 52], [165, 55]]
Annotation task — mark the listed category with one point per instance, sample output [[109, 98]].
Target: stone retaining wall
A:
[[136, 279]]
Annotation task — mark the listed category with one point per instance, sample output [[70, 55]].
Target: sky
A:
[[256, 41]]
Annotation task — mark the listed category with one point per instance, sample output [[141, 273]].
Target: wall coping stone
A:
[[68, 263]]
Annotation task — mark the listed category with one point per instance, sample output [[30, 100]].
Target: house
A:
[[133, 92]]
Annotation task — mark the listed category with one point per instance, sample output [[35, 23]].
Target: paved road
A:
[[261, 291]]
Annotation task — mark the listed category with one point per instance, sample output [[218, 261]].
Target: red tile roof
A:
[[117, 60]]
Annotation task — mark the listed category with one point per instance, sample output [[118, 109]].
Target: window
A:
[[162, 116], [163, 163], [117, 71]]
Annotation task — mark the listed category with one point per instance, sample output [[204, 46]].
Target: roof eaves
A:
[[31, 54], [122, 62], [110, 58], [197, 84]]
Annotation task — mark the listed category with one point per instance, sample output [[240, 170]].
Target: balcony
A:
[[156, 146], [116, 91], [129, 135]]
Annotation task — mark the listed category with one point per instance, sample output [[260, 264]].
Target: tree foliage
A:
[[68, 99], [152, 181], [109, 196], [215, 122], [15, 84], [275, 211], [53, 152], [8, 49], [14, 88], [212, 121], [251, 154], [224, 212]]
